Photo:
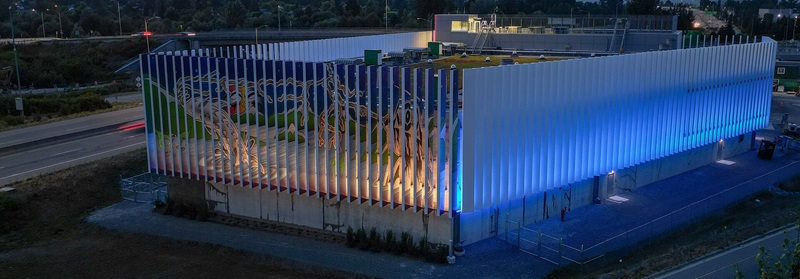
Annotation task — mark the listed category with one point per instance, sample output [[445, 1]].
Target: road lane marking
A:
[[73, 160], [65, 152], [71, 142]]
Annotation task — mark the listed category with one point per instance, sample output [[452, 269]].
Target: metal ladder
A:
[[481, 42], [624, 32], [616, 36]]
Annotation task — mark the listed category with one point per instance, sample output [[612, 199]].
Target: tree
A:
[[352, 8], [235, 13], [642, 7]]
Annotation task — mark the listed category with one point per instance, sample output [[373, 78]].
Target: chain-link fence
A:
[[554, 249], [146, 187]]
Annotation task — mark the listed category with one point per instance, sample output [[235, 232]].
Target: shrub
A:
[[374, 240], [361, 239], [13, 120], [389, 243], [406, 243], [437, 255], [7, 204], [422, 248], [351, 237]]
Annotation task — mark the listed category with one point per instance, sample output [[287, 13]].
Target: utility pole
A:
[[386, 14], [60, 27], [14, 45], [119, 19]]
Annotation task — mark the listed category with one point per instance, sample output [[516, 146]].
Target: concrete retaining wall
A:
[[321, 213]]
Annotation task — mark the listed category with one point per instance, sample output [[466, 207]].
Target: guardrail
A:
[[144, 188]]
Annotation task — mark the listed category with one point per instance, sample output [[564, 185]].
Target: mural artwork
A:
[[371, 134]]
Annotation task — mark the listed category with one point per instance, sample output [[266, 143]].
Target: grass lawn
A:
[[478, 62]]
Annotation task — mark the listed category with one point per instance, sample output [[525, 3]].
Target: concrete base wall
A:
[[479, 225], [321, 213]]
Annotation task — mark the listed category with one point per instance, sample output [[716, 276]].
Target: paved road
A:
[[721, 265], [80, 147], [28, 134], [30, 163]]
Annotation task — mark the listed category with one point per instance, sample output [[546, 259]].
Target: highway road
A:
[[721, 265], [11, 138], [30, 163], [31, 151]]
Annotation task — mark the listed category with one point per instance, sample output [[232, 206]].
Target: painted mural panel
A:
[[366, 134]]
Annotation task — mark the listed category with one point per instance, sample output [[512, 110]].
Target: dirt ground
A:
[[43, 235]]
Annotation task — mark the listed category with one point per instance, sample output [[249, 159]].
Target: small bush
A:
[[406, 243], [422, 249], [374, 240], [361, 239], [389, 243], [13, 120], [202, 214], [351, 237], [437, 255], [7, 203]]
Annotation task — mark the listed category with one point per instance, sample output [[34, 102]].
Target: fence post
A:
[[539, 244], [581, 259], [519, 234], [507, 227]]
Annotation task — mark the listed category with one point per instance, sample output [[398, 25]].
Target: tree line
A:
[[71, 18]]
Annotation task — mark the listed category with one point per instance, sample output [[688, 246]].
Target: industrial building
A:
[[280, 132]]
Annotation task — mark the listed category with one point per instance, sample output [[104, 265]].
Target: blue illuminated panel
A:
[[533, 127]]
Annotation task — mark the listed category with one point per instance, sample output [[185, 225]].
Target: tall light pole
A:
[[147, 32], [119, 19], [430, 23], [257, 32], [42, 13], [386, 14], [794, 28], [60, 27], [279, 18], [14, 45], [571, 19]]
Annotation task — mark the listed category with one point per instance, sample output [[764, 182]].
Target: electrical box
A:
[[373, 57]]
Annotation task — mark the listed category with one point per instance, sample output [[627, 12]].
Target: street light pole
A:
[[42, 13], [60, 27], [14, 45], [430, 23], [146, 35], [257, 32], [279, 18], [794, 28], [119, 19], [386, 14]]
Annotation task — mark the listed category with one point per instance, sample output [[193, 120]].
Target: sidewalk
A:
[[492, 258]]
